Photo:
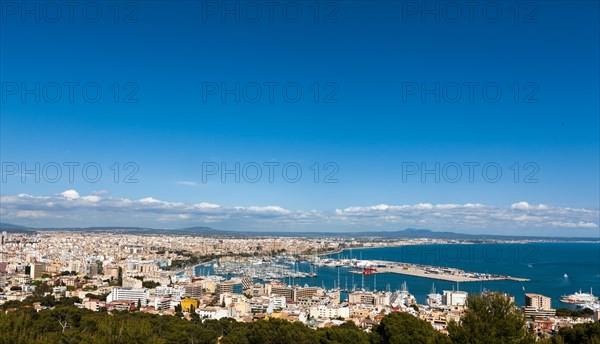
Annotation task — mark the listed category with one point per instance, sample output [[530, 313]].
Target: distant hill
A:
[[124, 229], [409, 233], [13, 228]]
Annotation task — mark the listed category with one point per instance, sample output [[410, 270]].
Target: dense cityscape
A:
[[252, 279]]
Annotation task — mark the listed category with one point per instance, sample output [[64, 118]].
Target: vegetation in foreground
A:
[[488, 320]]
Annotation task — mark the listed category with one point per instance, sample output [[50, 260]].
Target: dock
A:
[[424, 271], [443, 274]]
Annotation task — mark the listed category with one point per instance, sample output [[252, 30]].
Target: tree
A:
[[178, 311], [345, 333], [41, 289], [400, 328], [492, 319], [565, 312], [580, 334], [150, 284]]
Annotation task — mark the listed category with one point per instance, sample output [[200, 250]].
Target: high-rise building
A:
[[538, 301], [305, 292], [362, 297], [231, 287], [36, 270], [283, 290], [192, 290], [537, 305]]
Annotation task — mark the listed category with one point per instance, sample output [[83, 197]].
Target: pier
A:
[[417, 270], [444, 274]]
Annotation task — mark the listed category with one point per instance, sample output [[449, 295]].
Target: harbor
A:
[[288, 267], [262, 268]]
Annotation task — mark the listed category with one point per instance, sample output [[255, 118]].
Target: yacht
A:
[[434, 299], [579, 297]]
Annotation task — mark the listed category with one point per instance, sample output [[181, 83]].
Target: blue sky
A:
[[371, 119]]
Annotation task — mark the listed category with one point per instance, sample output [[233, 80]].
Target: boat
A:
[[369, 270], [434, 299], [579, 297], [595, 306]]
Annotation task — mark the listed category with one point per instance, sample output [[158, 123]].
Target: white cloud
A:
[[33, 214], [270, 209], [205, 205], [460, 216], [149, 200], [187, 183], [526, 206], [579, 224], [70, 194], [520, 216], [92, 198]]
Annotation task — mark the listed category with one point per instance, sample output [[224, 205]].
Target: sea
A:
[[553, 269]]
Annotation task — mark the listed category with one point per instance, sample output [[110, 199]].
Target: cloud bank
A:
[[69, 208]]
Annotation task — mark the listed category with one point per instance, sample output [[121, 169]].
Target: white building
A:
[[128, 294], [212, 313], [277, 302], [59, 290], [328, 312], [160, 303], [176, 292], [455, 298]]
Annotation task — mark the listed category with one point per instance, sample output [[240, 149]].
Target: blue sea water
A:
[[554, 269]]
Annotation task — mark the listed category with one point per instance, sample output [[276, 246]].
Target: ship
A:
[[579, 297]]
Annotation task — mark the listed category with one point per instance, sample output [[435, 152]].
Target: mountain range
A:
[[409, 233]]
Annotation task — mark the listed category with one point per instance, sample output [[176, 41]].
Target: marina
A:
[[262, 268], [269, 268]]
